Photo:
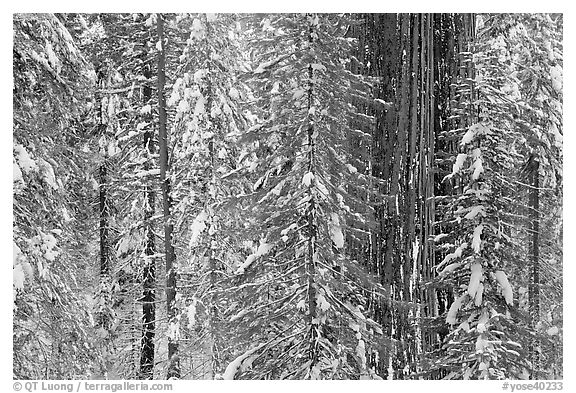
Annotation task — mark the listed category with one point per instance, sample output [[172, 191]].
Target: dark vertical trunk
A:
[[426, 254], [149, 271], [173, 363], [394, 243], [383, 61], [410, 164], [386, 52], [407, 198], [104, 211], [534, 289]]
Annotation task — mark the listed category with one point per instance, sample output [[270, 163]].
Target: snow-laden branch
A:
[[263, 249], [235, 364]]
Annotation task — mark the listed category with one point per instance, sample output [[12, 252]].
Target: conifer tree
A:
[[299, 297], [51, 228], [206, 97], [488, 332]]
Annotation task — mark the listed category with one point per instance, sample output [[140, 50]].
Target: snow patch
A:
[[474, 131], [477, 164], [198, 226], [234, 94], [199, 109], [298, 94], [322, 188], [456, 254], [151, 172], [191, 313], [278, 188], [474, 211], [476, 240], [351, 168], [285, 231], [439, 237], [479, 293], [301, 305], [183, 106], [459, 163], [449, 269], [53, 59], [361, 353], [336, 231], [318, 67], [454, 308], [556, 77], [173, 330], [238, 315], [48, 245], [151, 20], [26, 163], [322, 303], [505, 285], [475, 278], [124, 245], [263, 249], [552, 331], [197, 29], [307, 179], [18, 277], [199, 75], [146, 109], [558, 138]]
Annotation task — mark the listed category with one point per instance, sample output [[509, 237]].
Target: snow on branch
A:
[[233, 367], [505, 285], [263, 249], [263, 67]]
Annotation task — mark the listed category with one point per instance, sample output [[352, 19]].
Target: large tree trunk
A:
[[385, 62], [394, 256], [173, 363], [427, 296]]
